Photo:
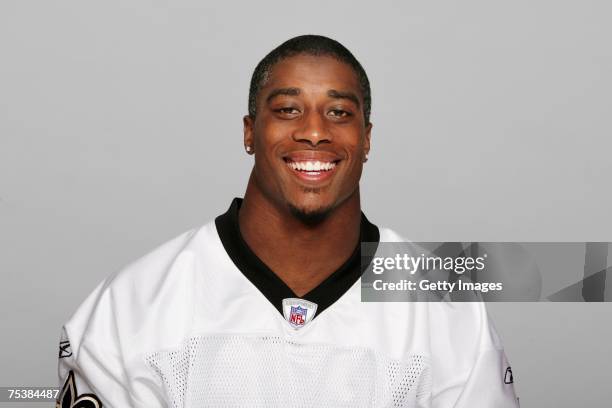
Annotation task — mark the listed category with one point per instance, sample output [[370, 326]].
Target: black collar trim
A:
[[269, 284]]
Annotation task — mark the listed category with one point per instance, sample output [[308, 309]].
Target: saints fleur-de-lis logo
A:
[[69, 397]]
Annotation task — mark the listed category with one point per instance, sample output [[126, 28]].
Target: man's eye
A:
[[288, 111], [339, 113]]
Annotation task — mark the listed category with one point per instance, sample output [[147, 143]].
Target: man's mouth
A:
[[312, 167]]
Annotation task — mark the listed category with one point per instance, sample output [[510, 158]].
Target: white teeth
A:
[[311, 165]]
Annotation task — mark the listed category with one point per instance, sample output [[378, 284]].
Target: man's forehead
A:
[[331, 93], [316, 72]]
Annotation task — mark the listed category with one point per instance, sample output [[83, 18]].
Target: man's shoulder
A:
[[465, 325], [156, 289], [167, 258]]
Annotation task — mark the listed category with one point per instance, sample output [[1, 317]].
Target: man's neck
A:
[[301, 255]]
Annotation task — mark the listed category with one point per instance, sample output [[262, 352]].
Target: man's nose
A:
[[312, 130]]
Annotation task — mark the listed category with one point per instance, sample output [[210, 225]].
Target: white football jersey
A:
[[202, 322]]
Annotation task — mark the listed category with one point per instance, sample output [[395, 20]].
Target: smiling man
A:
[[262, 308]]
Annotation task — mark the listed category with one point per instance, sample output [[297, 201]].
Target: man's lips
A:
[[312, 166]]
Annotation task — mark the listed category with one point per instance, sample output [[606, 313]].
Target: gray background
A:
[[120, 127]]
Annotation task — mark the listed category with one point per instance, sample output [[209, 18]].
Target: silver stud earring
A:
[[248, 149], [366, 158]]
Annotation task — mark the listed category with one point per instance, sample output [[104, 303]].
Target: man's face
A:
[[309, 135]]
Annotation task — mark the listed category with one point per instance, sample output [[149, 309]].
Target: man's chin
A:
[[310, 215]]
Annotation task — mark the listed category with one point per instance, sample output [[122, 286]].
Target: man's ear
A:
[[249, 143], [366, 145]]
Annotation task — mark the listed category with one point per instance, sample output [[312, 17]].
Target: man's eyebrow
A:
[[332, 93], [282, 91]]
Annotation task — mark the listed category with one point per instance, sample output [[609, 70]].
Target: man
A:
[[262, 307]]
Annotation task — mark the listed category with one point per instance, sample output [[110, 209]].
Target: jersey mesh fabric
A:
[[268, 371]]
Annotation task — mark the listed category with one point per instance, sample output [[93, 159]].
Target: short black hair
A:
[[317, 45]]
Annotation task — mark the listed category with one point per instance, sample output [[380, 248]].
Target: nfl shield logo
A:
[[298, 312], [297, 315]]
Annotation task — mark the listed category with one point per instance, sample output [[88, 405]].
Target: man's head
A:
[[315, 45], [308, 125]]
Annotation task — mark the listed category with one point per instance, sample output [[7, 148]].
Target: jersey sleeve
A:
[[489, 384], [474, 367], [92, 379], [92, 370]]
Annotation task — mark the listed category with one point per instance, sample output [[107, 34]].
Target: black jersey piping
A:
[[269, 284]]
